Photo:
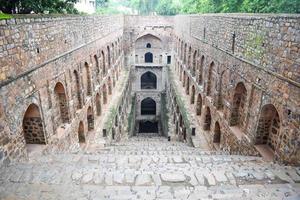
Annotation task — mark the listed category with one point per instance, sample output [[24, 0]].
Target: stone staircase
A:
[[148, 168]]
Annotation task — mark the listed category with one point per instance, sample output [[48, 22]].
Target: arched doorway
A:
[[78, 93], [217, 133], [207, 120], [103, 63], [81, 136], [148, 106], [97, 64], [104, 94], [194, 62], [210, 78], [238, 104], [98, 104], [149, 57], [88, 80], [200, 78], [33, 126], [193, 95], [148, 81], [90, 118], [199, 105], [61, 99], [148, 127], [268, 128], [108, 56], [187, 89], [109, 86]]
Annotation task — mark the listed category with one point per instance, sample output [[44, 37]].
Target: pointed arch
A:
[[103, 63], [199, 105], [148, 106], [78, 90], [108, 56], [61, 100], [148, 80], [90, 118], [97, 64], [217, 133], [109, 86], [268, 128], [187, 89], [193, 91], [98, 104], [189, 57], [207, 119], [88, 80], [200, 76], [113, 52], [81, 135], [210, 78], [33, 126], [194, 64], [238, 105], [148, 57]]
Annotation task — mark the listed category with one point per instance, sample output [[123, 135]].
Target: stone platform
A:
[[148, 168]]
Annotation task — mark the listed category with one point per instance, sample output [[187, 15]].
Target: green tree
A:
[[166, 7], [26, 6]]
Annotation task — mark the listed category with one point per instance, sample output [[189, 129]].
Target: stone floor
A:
[[148, 168]]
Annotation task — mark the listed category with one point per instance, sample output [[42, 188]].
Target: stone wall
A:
[[261, 52], [212, 55], [39, 53]]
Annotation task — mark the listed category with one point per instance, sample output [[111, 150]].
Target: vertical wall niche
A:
[[90, 118], [109, 86], [200, 76], [210, 78], [238, 105], [78, 91], [217, 133], [149, 57], [97, 64], [268, 126], [207, 120], [103, 63], [62, 102], [148, 106], [88, 80], [199, 105], [33, 126], [104, 94], [98, 104], [81, 135], [193, 95], [108, 56], [148, 80]]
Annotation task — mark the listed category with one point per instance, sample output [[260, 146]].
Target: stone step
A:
[[137, 169], [72, 192]]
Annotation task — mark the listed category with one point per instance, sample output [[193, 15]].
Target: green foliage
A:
[[5, 16], [27, 6], [166, 7], [235, 6], [271, 6]]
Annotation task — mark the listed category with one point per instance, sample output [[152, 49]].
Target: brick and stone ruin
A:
[[150, 107]]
